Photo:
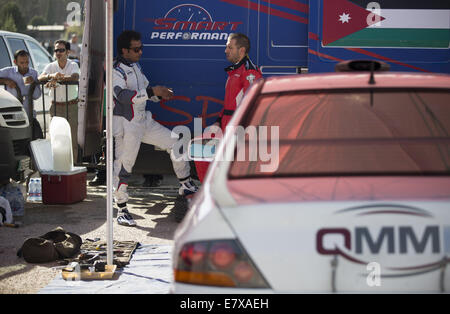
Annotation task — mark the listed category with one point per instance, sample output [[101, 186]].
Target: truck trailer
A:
[[184, 44]]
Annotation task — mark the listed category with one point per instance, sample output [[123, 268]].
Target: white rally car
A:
[[335, 182]]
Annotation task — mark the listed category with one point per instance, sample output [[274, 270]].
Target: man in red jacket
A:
[[241, 74]]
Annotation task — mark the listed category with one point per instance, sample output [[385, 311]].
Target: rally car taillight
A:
[[217, 263]]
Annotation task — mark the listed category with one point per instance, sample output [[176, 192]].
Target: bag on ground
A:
[[54, 245]]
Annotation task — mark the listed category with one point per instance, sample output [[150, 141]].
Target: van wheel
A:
[[180, 208]]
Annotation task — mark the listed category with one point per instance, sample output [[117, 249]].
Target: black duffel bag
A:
[[54, 245]]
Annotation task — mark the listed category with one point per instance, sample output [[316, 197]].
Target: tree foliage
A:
[[12, 18], [9, 24], [54, 11], [74, 30], [38, 20], [51, 14]]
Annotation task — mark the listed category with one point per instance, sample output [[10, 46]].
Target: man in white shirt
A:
[[64, 70]]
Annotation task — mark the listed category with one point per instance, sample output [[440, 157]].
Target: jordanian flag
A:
[[399, 23]]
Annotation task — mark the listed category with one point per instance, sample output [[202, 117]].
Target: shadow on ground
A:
[[150, 207]]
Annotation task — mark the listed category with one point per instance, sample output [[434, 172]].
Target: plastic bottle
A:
[[38, 190], [61, 141], [32, 191]]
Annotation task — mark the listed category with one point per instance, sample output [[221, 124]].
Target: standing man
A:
[[75, 50], [132, 124], [22, 76], [241, 74], [64, 70]]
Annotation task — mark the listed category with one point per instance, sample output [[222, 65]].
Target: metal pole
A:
[[67, 101], [109, 139], [43, 110]]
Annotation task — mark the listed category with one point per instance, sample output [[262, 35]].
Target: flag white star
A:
[[344, 18]]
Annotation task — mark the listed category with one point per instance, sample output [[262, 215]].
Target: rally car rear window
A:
[[347, 133]]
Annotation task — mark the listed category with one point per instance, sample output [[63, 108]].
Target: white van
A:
[[39, 57], [11, 42], [15, 127]]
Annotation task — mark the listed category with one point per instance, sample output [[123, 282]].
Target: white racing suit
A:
[[133, 125]]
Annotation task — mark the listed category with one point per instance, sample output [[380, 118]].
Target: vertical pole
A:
[[67, 101], [109, 139], [43, 110]]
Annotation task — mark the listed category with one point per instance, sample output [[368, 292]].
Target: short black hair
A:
[[64, 42], [125, 38], [241, 41], [21, 53]]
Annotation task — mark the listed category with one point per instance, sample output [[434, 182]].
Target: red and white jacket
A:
[[131, 91], [240, 77]]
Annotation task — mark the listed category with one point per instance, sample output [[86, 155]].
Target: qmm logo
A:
[[390, 243], [405, 235], [395, 241]]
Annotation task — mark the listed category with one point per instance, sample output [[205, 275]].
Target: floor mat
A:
[[96, 250], [149, 271]]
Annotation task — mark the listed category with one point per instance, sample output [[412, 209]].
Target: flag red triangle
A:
[[342, 18]]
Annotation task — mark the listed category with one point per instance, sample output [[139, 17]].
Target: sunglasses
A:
[[60, 50], [137, 49]]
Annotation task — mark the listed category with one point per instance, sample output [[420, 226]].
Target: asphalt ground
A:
[[150, 207]]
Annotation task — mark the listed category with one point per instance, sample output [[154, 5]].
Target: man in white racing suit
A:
[[132, 124]]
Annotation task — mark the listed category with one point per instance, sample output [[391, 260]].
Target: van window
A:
[[17, 44], [5, 61], [40, 58]]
